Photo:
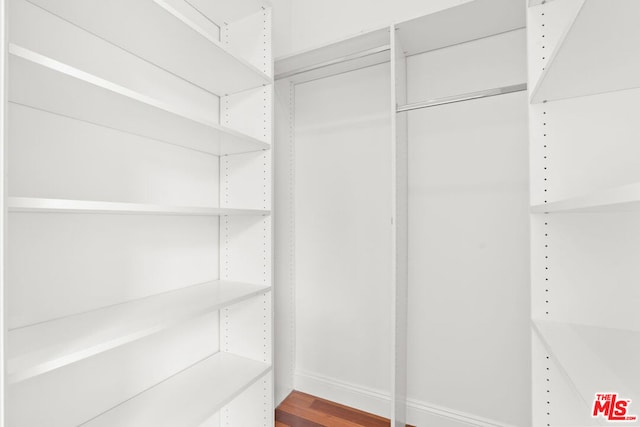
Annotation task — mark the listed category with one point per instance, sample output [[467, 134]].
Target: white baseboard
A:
[[426, 414], [378, 402], [365, 399]]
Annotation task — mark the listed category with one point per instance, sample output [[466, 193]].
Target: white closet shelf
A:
[[622, 198], [596, 54], [43, 347], [187, 398], [239, 74], [32, 204], [594, 359], [189, 40], [43, 83], [452, 26], [364, 50]]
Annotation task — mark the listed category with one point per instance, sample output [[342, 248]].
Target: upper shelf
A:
[[46, 84], [363, 50], [171, 34], [622, 198], [188, 398], [43, 347], [469, 21], [595, 359], [32, 204], [597, 53]]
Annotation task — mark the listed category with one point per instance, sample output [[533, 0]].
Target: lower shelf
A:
[[46, 346], [188, 398], [594, 359]]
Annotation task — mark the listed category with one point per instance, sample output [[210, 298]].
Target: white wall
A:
[[343, 235], [305, 24]]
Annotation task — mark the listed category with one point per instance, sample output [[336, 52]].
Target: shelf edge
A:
[[44, 205]]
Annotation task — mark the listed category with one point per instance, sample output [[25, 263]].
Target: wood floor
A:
[[303, 410]]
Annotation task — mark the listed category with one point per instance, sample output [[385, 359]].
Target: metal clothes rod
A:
[[346, 58], [463, 97]]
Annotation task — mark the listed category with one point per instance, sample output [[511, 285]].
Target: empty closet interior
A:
[[450, 200], [138, 246], [409, 143]]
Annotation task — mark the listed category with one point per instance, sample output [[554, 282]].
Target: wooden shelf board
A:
[[596, 54], [43, 347], [188, 398], [617, 199], [45, 84], [170, 34]]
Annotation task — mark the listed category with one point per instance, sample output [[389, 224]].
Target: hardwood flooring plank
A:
[[304, 410], [291, 420], [318, 417], [300, 399], [350, 414]]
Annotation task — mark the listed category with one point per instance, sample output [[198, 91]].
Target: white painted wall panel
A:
[[468, 265], [343, 234]]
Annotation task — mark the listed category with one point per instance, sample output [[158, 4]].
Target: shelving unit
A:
[[584, 201], [140, 150]]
